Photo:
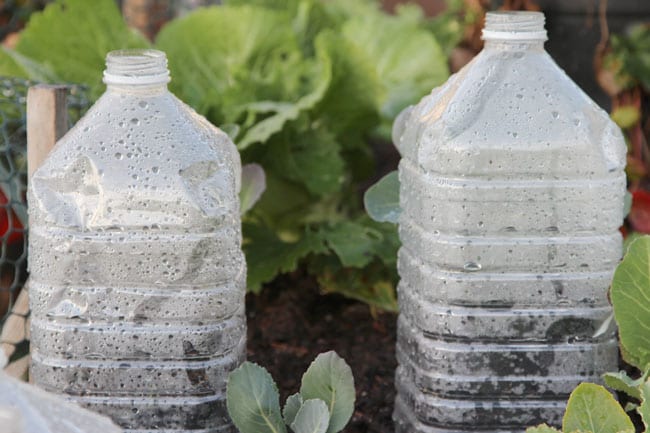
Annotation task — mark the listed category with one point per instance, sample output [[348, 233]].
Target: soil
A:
[[290, 323]]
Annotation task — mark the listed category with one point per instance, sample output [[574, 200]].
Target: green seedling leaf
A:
[[253, 184], [630, 295], [644, 407], [312, 417], [291, 408], [542, 428], [591, 408], [622, 382], [629, 239], [382, 199], [253, 401], [330, 379]]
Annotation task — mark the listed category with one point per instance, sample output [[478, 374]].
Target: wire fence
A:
[[14, 339]]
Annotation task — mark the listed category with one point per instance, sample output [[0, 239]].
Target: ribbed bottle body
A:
[[137, 277], [512, 190]]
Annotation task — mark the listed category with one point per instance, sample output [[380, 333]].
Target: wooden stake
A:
[[47, 121]]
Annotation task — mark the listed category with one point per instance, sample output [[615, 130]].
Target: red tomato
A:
[[639, 216], [8, 219]]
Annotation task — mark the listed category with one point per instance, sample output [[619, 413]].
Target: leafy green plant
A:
[[324, 404], [303, 87]]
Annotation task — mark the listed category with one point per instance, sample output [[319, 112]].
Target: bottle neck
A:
[[136, 70], [514, 30]]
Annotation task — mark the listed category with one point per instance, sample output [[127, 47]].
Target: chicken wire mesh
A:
[[13, 207]]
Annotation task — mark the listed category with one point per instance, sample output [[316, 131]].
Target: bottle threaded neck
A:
[[138, 67], [514, 26]]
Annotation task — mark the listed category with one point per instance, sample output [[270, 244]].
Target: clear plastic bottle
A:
[[512, 189], [137, 276]]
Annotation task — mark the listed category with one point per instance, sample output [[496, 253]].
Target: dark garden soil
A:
[[290, 323]]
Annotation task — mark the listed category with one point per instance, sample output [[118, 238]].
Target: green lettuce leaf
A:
[[352, 242], [10, 67], [223, 58], [363, 267], [374, 284], [408, 60], [352, 97], [311, 158], [267, 255], [70, 38], [283, 206]]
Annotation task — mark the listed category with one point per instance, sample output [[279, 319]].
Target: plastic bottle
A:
[[512, 190], [137, 275]]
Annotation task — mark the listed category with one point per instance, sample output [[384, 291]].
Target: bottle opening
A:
[[514, 26], [136, 67]]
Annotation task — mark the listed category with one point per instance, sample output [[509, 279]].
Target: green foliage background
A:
[[302, 86]]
